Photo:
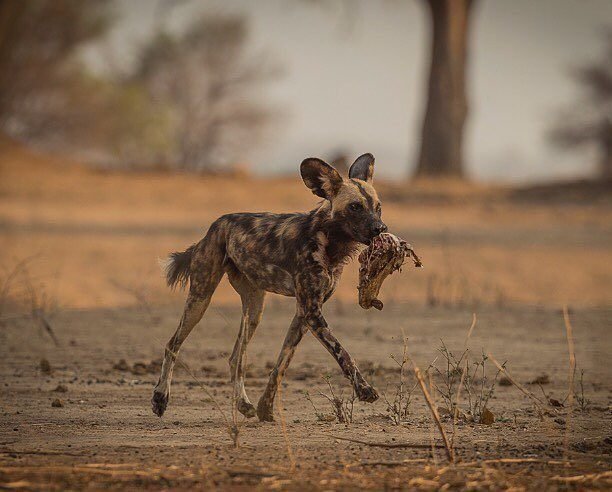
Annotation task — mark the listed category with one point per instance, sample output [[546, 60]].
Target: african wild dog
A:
[[299, 255]]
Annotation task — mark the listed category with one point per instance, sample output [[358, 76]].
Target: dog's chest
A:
[[333, 275]]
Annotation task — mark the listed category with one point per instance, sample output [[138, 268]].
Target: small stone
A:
[[504, 381], [122, 365], [45, 366], [57, 403], [541, 379], [60, 388], [487, 417], [139, 369]]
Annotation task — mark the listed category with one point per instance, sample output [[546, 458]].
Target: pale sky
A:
[[358, 84]]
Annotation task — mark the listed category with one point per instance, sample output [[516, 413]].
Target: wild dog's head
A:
[[355, 206]]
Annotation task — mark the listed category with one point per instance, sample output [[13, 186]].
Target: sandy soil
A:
[[512, 256], [105, 433]]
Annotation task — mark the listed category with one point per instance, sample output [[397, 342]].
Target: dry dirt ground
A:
[[514, 257]]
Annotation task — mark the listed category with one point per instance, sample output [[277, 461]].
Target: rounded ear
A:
[[363, 168], [322, 179]]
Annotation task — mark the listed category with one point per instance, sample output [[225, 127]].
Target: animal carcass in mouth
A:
[[385, 255]]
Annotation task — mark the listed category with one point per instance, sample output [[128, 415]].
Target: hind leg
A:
[[204, 280], [252, 309]]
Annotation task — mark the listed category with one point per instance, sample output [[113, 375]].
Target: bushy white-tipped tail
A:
[[177, 267]]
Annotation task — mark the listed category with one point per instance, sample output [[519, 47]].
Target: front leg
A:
[[321, 331]]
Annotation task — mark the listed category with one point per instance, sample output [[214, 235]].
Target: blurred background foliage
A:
[[588, 122], [194, 99], [186, 104]]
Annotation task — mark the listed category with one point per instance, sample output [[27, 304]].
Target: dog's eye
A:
[[355, 206]]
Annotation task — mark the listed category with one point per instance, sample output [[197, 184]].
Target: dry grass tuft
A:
[[342, 409], [399, 408]]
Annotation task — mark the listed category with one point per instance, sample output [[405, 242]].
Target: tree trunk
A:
[[441, 153], [605, 140]]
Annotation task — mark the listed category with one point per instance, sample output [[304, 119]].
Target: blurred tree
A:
[[208, 84], [39, 40], [340, 160], [589, 122], [441, 152]]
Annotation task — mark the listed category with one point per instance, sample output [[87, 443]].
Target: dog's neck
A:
[[341, 247]]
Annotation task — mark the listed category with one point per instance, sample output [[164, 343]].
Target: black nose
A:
[[380, 228]]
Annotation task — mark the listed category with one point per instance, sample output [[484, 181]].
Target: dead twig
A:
[[252, 473], [284, 430], [40, 453], [70, 469], [342, 409], [434, 412], [389, 463], [8, 280], [572, 371], [541, 405], [456, 408], [511, 461], [590, 477], [39, 310], [389, 445], [469, 333]]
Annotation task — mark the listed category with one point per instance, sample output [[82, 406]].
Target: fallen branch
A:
[[77, 469], [390, 463], [512, 461], [40, 453], [252, 473], [591, 477], [386, 444]]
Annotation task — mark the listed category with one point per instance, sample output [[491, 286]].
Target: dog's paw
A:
[[366, 393], [159, 402], [245, 408], [265, 411]]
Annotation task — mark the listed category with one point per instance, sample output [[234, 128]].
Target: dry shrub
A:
[[30, 295], [398, 409], [478, 387], [341, 408]]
